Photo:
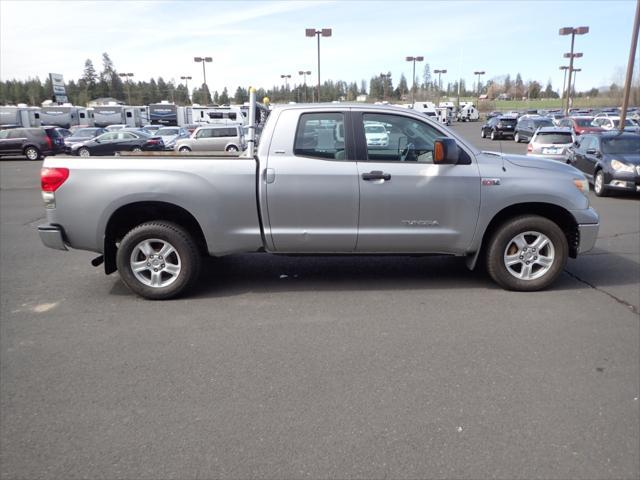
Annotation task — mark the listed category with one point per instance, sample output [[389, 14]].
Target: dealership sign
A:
[[57, 84]]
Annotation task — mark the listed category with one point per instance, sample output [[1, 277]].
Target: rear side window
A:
[[554, 138], [320, 135]]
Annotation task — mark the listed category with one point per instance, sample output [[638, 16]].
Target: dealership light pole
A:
[[385, 77], [478, 73], [127, 76], [413, 89], [573, 88], [186, 83], [564, 81], [312, 32], [629, 76], [573, 32], [439, 73], [204, 73], [304, 74], [286, 85]]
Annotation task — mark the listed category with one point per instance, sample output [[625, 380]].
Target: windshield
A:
[[508, 121], [583, 122], [543, 122], [167, 131], [554, 138], [629, 144], [86, 132], [374, 129]]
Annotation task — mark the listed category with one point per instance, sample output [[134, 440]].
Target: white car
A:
[[377, 135], [611, 123]]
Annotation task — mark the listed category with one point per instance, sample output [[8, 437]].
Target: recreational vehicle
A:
[[105, 115], [64, 116], [20, 116]]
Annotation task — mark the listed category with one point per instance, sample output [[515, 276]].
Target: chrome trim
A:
[[588, 236], [52, 236]]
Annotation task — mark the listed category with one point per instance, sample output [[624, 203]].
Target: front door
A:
[[311, 184], [407, 203]]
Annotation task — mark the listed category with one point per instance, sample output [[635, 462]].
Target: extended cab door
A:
[[407, 203], [311, 183]]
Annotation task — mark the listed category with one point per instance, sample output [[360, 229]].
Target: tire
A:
[[232, 148], [184, 149], [599, 187], [176, 271], [520, 275], [493, 135], [84, 152], [32, 153], [483, 133], [516, 137]]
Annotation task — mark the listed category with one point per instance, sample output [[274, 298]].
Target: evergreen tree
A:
[[519, 86], [89, 79], [507, 84], [426, 77], [403, 88], [240, 96], [224, 97], [548, 91]]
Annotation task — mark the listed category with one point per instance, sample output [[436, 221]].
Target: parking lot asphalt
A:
[[327, 367]]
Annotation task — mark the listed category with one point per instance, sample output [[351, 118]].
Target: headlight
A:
[[581, 184], [618, 166]]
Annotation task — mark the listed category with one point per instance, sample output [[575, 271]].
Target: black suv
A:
[[499, 127], [527, 126], [33, 143]]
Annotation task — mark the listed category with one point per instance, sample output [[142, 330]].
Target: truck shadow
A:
[[239, 274]]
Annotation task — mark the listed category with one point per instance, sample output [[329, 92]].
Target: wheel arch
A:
[[129, 216], [557, 214]]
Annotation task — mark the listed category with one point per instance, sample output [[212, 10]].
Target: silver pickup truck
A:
[[319, 184]]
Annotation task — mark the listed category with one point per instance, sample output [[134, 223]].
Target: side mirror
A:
[[445, 151], [97, 140]]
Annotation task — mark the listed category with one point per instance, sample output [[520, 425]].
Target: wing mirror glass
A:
[[445, 151]]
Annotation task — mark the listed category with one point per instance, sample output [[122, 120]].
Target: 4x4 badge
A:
[[488, 182]]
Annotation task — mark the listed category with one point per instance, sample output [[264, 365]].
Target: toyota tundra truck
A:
[[315, 185]]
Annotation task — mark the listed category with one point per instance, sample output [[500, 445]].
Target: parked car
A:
[[212, 138], [112, 143], [499, 127], [170, 135], [57, 136], [115, 127], [154, 221], [551, 142], [493, 114], [528, 125], [610, 160], [33, 143], [613, 123], [376, 134], [556, 117], [82, 135], [151, 128], [579, 125]]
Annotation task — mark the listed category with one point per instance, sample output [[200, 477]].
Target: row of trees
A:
[[109, 83]]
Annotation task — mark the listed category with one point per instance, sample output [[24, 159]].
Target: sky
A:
[[253, 43]]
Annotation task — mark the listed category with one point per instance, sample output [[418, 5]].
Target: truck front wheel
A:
[[158, 260], [527, 253]]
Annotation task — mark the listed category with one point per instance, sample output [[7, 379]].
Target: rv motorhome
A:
[[104, 115], [468, 112], [64, 116], [20, 116], [169, 114]]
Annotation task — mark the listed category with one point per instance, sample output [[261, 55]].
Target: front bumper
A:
[[588, 236], [624, 181], [52, 236]]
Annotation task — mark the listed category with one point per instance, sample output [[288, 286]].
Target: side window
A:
[[320, 135], [15, 133], [4, 134], [398, 139], [204, 133]]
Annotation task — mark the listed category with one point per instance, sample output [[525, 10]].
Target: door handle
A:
[[376, 175]]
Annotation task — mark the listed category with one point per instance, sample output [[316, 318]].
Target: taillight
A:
[[529, 148], [49, 142], [52, 178]]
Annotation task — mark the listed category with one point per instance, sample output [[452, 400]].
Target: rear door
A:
[[407, 203], [311, 183]]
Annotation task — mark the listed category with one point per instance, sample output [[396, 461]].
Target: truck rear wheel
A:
[[158, 260], [527, 253]]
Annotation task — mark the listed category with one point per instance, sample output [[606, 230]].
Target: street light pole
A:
[[186, 82], [413, 89], [312, 32], [575, 74], [629, 77], [573, 32], [128, 76], [478, 73], [304, 74], [286, 86], [204, 72], [564, 81]]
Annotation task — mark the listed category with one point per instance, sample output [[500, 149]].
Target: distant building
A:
[[104, 101], [504, 96], [361, 98]]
